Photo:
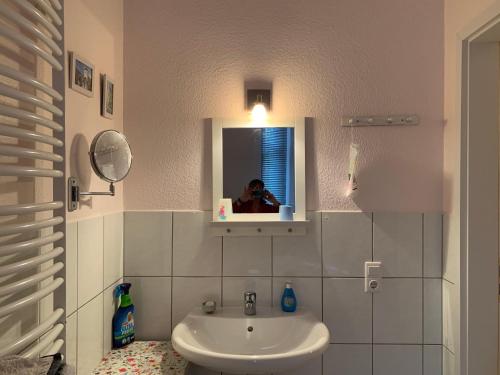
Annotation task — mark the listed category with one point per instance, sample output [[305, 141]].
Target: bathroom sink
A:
[[229, 341]]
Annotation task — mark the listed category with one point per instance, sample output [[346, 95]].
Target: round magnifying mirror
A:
[[110, 156]]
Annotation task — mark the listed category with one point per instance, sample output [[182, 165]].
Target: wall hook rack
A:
[[74, 193], [390, 120]]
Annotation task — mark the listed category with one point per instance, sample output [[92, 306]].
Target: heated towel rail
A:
[[32, 209]]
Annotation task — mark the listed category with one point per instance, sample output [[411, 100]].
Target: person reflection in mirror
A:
[[256, 200]]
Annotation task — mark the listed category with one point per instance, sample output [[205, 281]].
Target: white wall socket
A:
[[373, 276]]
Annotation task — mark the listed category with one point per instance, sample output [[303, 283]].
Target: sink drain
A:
[[250, 329]]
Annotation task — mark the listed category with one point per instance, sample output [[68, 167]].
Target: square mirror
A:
[[257, 168]]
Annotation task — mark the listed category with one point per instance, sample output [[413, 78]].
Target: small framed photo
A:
[[107, 96], [81, 75]]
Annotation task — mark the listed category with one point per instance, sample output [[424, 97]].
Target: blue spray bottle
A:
[[288, 300], [123, 320]]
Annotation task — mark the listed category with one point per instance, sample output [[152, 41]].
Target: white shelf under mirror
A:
[[258, 228]]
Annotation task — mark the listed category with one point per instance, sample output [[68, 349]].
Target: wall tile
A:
[[299, 255], [347, 243], [234, 287], [449, 363], [307, 291], [151, 296], [432, 359], [90, 259], [433, 244], [247, 256], [397, 360], [397, 312], [200, 289], [90, 335], [196, 251], [451, 321], [113, 248], [312, 367], [71, 339], [148, 243], [397, 242], [432, 311], [109, 308], [347, 310], [348, 359], [71, 266]]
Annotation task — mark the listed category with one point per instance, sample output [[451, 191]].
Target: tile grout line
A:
[[222, 272], [172, 274], [373, 297], [423, 291]]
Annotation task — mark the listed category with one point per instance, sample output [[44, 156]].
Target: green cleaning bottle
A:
[[123, 320]]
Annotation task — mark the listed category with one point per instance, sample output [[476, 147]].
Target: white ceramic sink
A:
[[269, 342]]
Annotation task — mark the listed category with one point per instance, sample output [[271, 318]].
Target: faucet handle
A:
[[250, 297]]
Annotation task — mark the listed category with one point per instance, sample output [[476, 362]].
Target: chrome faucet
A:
[[250, 300]]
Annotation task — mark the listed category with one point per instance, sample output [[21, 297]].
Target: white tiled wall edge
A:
[[393, 329], [94, 266]]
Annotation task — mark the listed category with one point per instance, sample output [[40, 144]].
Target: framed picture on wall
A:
[[81, 75], [107, 96]]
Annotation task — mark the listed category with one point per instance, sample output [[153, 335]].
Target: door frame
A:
[[479, 192]]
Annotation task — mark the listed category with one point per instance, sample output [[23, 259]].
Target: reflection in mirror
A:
[[110, 156], [258, 168]]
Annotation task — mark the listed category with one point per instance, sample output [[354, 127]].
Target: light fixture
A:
[[259, 113], [258, 102]]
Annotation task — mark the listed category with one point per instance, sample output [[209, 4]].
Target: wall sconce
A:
[[258, 101]]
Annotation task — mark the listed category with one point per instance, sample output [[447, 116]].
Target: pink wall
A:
[[187, 60], [94, 30]]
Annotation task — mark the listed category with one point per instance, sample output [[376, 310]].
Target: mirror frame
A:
[[298, 124], [93, 161]]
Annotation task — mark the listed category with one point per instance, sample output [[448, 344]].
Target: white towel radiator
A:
[[32, 209]]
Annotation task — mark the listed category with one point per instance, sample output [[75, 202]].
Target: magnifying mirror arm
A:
[[74, 193], [111, 191]]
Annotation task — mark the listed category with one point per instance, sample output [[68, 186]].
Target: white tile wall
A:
[[348, 359], [90, 259], [433, 359], [433, 316], [246, 256], [90, 335], [347, 310], [326, 268], [347, 243], [433, 244], [299, 256], [152, 296], [94, 265], [196, 252], [450, 316], [71, 267], [397, 242], [71, 340], [397, 312], [189, 292], [113, 248], [397, 359], [148, 243]]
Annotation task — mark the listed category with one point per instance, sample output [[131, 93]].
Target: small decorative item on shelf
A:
[[286, 213], [225, 208]]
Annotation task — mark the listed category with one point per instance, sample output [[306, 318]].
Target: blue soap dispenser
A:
[[288, 300]]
